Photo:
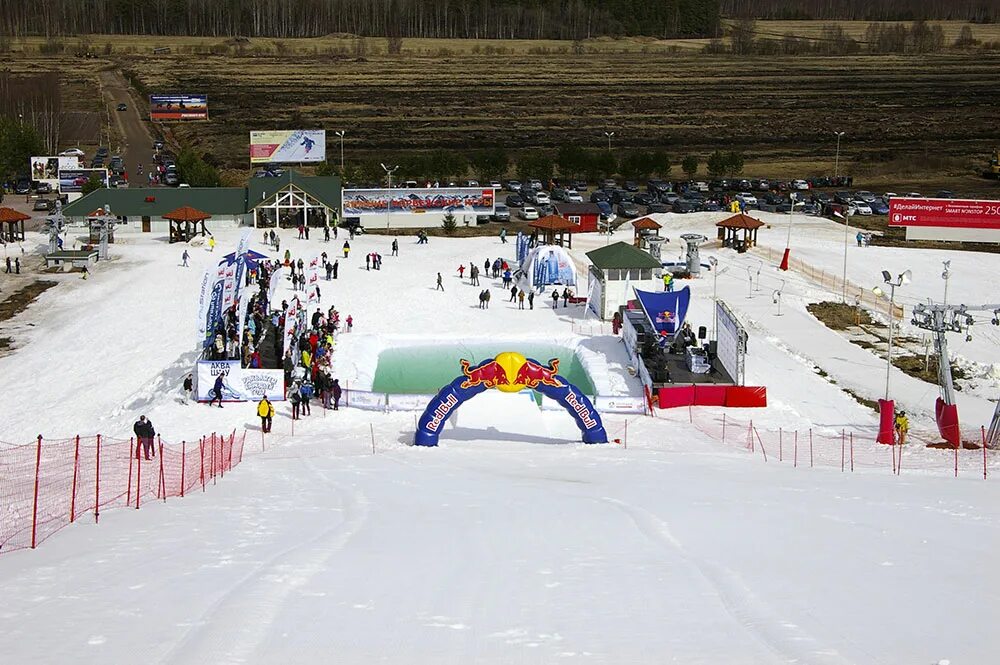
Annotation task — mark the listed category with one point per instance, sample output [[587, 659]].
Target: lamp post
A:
[[945, 275], [609, 135], [389, 170], [836, 162], [341, 135], [903, 278]]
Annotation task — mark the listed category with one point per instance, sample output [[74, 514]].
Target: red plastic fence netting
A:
[[48, 484]]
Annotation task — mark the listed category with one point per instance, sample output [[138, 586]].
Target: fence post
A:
[[723, 427], [810, 447], [138, 474], [852, 452], [76, 472], [97, 482], [34, 509], [781, 445], [201, 457], [761, 441], [843, 443], [892, 449], [371, 427], [982, 428], [625, 437], [232, 442], [163, 478], [183, 461], [956, 461], [131, 459], [212, 469], [795, 453], [899, 464]]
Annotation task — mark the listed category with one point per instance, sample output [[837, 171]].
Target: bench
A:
[[67, 259]]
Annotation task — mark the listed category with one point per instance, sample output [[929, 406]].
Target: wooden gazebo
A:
[[644, 226], [729, 231], [184, 223], [553, 229], [12, 225]]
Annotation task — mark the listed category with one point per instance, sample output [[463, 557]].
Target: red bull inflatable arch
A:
[[509, 372]]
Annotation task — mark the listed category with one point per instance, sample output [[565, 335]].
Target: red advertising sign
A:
[[947, 213]]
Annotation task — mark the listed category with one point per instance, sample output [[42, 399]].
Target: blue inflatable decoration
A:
[[509, 372]]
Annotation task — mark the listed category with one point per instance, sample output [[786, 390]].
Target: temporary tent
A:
[[546, 265]]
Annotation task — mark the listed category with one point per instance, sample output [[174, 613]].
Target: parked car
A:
[[580, 185], [763, 185], [545, 209], [528, 213], [747, 198], [887, 196], [605, 209], [859, 207], [643, 198], [865, 196], [529, 195], [843, 197], [72, 152], [686, 205], [669, 198], [627, 210], [515, 200], [535, 184], [472, 183], [659, 207], [122, 106], [598, 196], [158, 144], [572, 196], [558, 194], [23, 186], [97, 163], [41, 204], [879, 207], [495, 184], [43, 188], [609, 183], [945, 194], [542, 197], [513, 185], [915, 195], [102, 152], [699, 186], [171, 179], [800, 184], [117, 163], [621, 196], [501, 214], [631, 186], [711, 206], [821, 198]]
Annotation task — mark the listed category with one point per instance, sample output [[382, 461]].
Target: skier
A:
[[902, 427], [211, 242], [266, 412], [217, 390], [440, 286], [184, 258]]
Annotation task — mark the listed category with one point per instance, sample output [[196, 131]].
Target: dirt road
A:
[[137, 147]]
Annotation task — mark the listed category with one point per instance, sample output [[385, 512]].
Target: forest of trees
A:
[[979, 11], [478, 19]]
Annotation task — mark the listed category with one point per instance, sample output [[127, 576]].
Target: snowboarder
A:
[[440, 285], [184, 258], [266, 412], [144, 434], [217, 390]]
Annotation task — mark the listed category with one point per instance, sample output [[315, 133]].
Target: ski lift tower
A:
[[941, 319], [54, 225], [693, 255], [106, 225]]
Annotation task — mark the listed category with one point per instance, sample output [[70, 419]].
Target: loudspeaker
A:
[[702, 332]]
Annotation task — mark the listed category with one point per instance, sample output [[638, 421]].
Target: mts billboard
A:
[[946, 219]]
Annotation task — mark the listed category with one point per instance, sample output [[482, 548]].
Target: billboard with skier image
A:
[[288, 146], [459, 200], [178, 107]]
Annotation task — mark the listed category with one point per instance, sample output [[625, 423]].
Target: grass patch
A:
[[863, 401], [914, 366], [839, 316], [20, 299]]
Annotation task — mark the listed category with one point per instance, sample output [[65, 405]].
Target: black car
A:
[[631, 186], [157, 144], [686, 205], [621, 196], [122, 107], [514, 201], [102, 152], [643, 198], [580, 185], [23, 186], [821, 198], [598, 196], [627, 209], [659, 207], [843, 197], [43, 188]]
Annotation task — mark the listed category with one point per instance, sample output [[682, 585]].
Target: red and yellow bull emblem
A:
[[511, 372]]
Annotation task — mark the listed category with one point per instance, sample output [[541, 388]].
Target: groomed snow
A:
[[508, 543]]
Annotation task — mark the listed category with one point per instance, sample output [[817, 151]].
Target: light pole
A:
[[836, 163], [341, 135], [847, 235], [609, 135], [903, 278], [945, 275], [389, 170]]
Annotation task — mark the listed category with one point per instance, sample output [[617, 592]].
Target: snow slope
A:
[[508, 543]]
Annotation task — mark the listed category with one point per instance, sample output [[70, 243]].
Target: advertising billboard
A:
[[178, 107], [469, 200], [946, 219], [73, 180], [288, 146], [46, 169]]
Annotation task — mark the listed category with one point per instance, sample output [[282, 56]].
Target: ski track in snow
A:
[[234, 627]]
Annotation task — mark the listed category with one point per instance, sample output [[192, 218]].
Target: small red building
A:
[[584, 215]]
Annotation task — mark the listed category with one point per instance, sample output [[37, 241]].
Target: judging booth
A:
[[12, 225], [614, 271]]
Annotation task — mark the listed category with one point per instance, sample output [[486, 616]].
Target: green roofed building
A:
[[288, 200], [614, 271]]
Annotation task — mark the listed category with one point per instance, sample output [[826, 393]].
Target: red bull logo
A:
[[511, 372]]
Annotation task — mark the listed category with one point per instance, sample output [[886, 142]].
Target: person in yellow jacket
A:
[[902, 427], [211, 243], [266, 412], [668, 281]]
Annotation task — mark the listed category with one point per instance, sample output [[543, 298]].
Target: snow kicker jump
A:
[[510, 372]]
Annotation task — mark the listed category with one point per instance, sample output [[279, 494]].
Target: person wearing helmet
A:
[[902, 427]]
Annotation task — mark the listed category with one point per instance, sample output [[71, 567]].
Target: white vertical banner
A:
[[312, 280], [204, 300], [291, 320], [244, 302], [228, 287], [272, 286], [240, 261]]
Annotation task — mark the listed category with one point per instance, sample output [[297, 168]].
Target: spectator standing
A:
[[337, 392], [266, 412], [144, 434]]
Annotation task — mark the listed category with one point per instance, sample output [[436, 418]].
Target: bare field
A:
[[926, 120]]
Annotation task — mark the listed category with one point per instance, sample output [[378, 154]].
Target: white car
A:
[[495, 184], [747, 198], [914, 195], [800, 184], [472, 183], [572, 196], [887, 196], [72, 152], [535, 184], [542, 198], [859, 207], [700, 186], [865, 196], [528, 213]]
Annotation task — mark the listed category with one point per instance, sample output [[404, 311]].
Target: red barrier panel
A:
[[746, 396], [947, 422], [47, 484], [886, 422], [675, 396], [710, 395]]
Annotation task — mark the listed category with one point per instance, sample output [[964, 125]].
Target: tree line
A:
[[979, 11], [474, 19]]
